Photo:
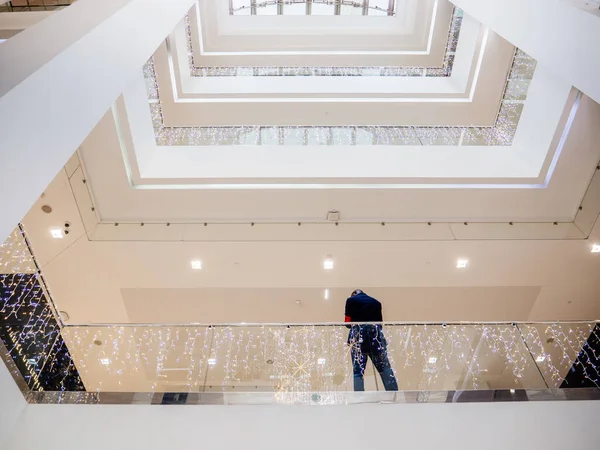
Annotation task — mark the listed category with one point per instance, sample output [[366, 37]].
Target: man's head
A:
[[356, 292]]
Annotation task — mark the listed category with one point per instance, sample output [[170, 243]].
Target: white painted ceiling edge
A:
[[524, 159], [558, 201], [470, 36]]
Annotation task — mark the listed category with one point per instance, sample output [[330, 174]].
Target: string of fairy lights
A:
[[29, 330], [305, 359], [303, 71], [500, 134]]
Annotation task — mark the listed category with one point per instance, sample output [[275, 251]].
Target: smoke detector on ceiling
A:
[[333, 216]]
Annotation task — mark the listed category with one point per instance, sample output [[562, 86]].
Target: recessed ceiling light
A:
[[212, 361], [540, 358], [326, 294], [432, 360], [56, 233], [462, 263], [596, 248], [321, 361], [196, 264], [105, 361], [328, 263]]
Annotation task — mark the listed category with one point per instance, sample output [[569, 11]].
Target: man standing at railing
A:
[[367, 340]]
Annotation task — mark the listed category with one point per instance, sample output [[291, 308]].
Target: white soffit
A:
[[560, 190], [289, 165]]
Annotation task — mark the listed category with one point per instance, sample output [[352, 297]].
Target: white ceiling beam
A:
[[556, 33], [68, 69]]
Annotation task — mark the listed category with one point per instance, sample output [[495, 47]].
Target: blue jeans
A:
[[368, 341]]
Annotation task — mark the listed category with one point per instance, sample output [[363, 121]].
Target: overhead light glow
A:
[[321, 361], [512, 391], [56, 233], [462, 263], [212, 362], [328, 263], [196, 264], [596, 248], [540, 358], [105, 361], [326, 294], [432, 360]]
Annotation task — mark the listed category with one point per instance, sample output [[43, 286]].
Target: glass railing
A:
[[319, 358]]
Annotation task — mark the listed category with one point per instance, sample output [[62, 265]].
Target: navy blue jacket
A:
[[363, 308]]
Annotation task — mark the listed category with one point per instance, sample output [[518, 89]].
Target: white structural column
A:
[[559, 35], [12, 403], [59, 77]]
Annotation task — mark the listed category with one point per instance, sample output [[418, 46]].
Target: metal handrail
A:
[[329, 324]]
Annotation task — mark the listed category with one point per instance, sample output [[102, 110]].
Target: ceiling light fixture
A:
[[105, 361], [212, 361], [462, 263], [540, 358], [56, 233], [432, 360], [596, 248], [196, 264], [321, 361], [326, 294], [328, 263], [512, 391]]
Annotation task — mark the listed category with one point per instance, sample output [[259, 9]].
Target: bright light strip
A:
[[326, 294], [196, 264], [57, 233], [328, 263], [462, 263]]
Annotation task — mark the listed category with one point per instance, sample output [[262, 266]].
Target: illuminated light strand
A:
[[30, 331], [501, 134], [367, 71], [287, 360]]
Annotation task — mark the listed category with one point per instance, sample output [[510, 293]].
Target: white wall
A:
[[489, 426], [11, 403]]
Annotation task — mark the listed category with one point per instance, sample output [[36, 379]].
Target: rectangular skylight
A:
[[312, 7]]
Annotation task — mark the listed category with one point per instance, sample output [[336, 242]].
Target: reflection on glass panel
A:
[[461, 357], [314, 358], [562, 348], [140, 359]]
